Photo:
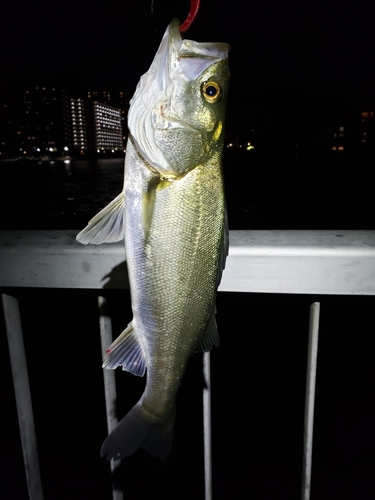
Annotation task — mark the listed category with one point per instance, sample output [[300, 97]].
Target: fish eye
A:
[[212, 92]]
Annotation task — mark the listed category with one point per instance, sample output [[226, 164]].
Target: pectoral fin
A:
[[148, 203], [107, 226], [126, 351]]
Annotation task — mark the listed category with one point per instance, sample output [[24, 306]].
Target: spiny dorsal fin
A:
[[107, 226], [126, 351]]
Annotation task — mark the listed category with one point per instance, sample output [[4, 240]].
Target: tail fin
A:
[[140, 428]]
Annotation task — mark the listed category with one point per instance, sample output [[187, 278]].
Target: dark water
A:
[[264, 191], [258, 372], [56, 194]]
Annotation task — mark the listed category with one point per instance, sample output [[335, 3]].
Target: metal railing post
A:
[[23, 396], [105, 325], [312, 356], [207, 426]]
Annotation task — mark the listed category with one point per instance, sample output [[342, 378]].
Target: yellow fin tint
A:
[[148, 203], [217, 131]]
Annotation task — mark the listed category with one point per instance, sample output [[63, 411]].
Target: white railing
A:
[[297, 262]]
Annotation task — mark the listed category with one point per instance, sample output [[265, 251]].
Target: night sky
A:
[[293, 55]]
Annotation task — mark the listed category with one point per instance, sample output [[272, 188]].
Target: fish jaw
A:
[[168, 114]]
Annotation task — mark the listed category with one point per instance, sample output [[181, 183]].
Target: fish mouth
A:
[[188, 56], [161, 120], [176, 59]]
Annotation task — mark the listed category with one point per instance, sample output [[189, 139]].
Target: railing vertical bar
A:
[[207, 425], [105, 324], [312, 356], [23, 397]]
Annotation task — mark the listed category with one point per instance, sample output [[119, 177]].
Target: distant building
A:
[[9, 139], [80, 135], [116, 98], [357, 135], [95, 127], [36, 122], [44, 123], [367, 130], [107, 127]]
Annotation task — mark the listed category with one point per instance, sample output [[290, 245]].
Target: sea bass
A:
[[172, 215]]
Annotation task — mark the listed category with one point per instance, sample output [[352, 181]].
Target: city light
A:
[[95, 125]]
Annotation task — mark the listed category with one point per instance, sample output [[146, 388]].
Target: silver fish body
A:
[[172, 215]]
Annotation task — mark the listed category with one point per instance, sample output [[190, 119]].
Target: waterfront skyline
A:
[[43, 121]]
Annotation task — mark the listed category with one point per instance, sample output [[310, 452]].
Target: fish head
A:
[[176, 116]]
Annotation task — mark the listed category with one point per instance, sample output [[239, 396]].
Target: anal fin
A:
[[126, 351]]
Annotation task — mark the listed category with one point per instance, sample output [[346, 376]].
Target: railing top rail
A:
[[338, 262]]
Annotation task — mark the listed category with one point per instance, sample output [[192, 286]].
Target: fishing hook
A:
[[194, 6]]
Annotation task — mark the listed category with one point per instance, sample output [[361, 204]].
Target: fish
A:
[[172, 215]]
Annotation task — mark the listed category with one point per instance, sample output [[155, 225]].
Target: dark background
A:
[[290, 61], [258, 383], [294, 66]]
